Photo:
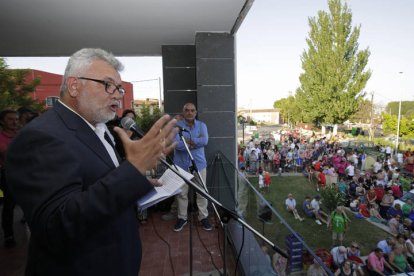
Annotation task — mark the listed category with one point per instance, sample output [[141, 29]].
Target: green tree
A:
[[334, 76], [146, 118], [363, 114], [389, 125], [289, 109], [14, 90], [407, 108], [331, 198]]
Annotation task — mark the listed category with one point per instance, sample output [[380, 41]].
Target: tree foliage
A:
[[15, 90], [146, 118], [331, 198], [389, 125], [363, 113], [334, 70], [288, 110], [407, 108]]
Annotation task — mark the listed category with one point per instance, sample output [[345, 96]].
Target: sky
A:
[[269, 45]]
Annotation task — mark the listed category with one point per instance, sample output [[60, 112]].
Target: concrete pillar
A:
[[179, 75], [216, 102]]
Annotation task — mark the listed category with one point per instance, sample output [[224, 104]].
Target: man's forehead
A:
[[189, 106]]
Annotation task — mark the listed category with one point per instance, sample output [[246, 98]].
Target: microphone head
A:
[[127, 123]]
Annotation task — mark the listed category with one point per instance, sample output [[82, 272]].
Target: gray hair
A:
[[80, 61]]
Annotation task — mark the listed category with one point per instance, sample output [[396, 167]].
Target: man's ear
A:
[[72, 85]]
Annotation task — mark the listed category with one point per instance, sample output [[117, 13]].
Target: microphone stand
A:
[[227, 213], [193, 169]]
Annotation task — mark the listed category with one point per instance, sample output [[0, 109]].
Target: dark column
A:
[[179, 74], [216, 105]]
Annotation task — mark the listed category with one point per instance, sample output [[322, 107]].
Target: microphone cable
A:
[[208, 251], [240, 251], [166, 242]]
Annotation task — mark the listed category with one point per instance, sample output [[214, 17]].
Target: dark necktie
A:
[[109, 140]]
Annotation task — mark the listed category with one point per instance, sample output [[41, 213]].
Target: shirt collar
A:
[[89, 124]]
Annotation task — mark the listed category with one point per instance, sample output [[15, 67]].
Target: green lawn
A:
[[316, 236]]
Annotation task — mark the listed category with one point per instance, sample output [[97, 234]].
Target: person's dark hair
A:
[[126, 111], [5, 112]]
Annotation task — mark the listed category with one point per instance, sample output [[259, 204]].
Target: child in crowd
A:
[[267, 181], [261, 181]]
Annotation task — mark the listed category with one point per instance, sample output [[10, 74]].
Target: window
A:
[[50, 101]]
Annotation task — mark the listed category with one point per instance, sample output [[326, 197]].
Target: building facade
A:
[[48, 90], [263, 116]]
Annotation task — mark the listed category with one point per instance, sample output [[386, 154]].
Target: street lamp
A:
[[398, 123], [243, 121]]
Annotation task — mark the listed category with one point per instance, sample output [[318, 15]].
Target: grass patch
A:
[[316, 236]]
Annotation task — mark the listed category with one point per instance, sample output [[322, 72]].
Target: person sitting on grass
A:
[[375, 215], [320, 215], [339, 255], [386, 203], [406, 208], [394, 224], [353, 250], [363, 210], [342, 186], [409, 245], [377, 265], [396, 189], [354, 205], [371, 195], [398, 260], [386, 245], [290, 203], [316, 269], [307, 208], [346, 269], [395, 210]]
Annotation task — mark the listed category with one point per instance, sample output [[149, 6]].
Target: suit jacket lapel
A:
[[83, 132]]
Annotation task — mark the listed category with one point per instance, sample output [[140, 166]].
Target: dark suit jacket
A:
[[79, 207]]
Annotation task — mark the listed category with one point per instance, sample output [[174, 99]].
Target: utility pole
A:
[[398, 123], [371, 130]]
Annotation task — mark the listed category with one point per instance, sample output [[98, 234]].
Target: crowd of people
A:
[[369, 190], [11, 121]]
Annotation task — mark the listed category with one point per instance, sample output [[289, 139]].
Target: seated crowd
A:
[[370, 190]]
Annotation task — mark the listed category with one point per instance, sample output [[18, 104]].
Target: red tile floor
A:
[[159, 242]]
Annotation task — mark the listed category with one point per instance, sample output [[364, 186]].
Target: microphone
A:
[[182, 129], [129, 123]]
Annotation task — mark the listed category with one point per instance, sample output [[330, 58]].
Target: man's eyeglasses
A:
[[110, 87]]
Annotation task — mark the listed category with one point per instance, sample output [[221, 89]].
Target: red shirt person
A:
[[9, 123], [322, 178]]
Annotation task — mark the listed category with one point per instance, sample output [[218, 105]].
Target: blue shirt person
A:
[[196, 138]]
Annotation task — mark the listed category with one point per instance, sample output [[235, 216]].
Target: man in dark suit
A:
[[78, 198]]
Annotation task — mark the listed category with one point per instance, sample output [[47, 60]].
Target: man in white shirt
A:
[[377, 166], [290, 203], [338, 255], [350, 170], [319, 214], [388, 151]]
